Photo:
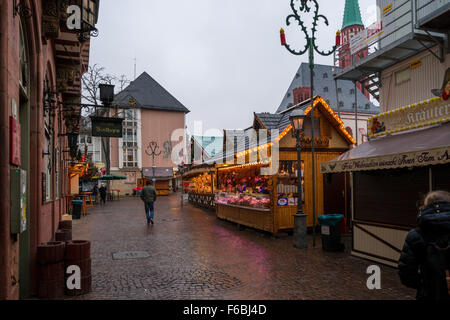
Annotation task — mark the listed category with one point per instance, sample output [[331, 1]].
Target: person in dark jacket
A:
[[425, 257], [148, 195], [102, 192]]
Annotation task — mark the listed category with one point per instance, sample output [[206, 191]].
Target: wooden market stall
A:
[[408, 155], [262, 192], [201, 186], [162, 177]]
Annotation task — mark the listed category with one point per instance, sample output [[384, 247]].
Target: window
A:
[[341, 104], [339, 90], [325, 89], [48, 151], [402, 76], [23, 76], [325, 75], [82, 139], [352, 91], [353, 105], [308, 127], [89, 139], [130, 144], [367, 106]]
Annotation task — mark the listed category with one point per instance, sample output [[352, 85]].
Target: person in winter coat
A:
[[425, 258], [148, 195]]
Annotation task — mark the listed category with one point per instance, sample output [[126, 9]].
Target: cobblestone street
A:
[[189, 254]]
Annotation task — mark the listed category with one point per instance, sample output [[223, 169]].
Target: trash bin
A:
[[331, 226], [77, 205]]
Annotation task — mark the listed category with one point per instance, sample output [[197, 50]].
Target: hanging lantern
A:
[[283, 37], [338, 38]]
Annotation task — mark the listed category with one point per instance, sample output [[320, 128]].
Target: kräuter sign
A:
[[418, 115]]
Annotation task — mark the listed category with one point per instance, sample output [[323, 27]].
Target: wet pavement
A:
[[190, 254]]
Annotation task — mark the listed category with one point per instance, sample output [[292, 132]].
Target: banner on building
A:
[[107, 127], [395, 161], [366, 37], [414, 116]]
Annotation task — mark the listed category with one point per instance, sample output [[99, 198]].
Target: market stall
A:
[[263, 194], [408, 155], [200, 184], [162, 177]]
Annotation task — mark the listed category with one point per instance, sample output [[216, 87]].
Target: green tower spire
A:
[[352, 14]]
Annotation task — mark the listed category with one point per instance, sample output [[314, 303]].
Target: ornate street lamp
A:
[[299, 8], [300, 226], [89, 15], [106, 93], [89, 18]]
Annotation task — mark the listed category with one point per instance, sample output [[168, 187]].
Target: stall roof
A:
[[161, 173], [281, 122], [416, 148]]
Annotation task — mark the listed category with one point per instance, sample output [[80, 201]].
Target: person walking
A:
[[102, 192], [95, 193], [148, 195], [425, 259]]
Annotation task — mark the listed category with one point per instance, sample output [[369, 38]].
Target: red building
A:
[[41, 63], [351, 26]]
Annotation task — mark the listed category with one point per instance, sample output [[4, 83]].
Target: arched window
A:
[[24, 76]]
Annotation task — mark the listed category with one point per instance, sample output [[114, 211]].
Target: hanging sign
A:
[[107, 127], [14, 142], [415, 116]]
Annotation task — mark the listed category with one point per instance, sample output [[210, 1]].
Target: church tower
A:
[[351, 26]]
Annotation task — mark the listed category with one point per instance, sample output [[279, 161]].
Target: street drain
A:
[[128, 255]]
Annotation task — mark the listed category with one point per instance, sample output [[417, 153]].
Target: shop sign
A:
[[422, 114], [107, 127], [283, 202], [402, 160]]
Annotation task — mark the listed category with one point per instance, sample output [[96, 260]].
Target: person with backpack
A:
[[425, 259], [148, 195]]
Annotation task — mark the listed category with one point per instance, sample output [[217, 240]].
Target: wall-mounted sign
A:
[[415, 64], [14, 142], [107, 127], [387, 9], [283, 202], [415, 116]]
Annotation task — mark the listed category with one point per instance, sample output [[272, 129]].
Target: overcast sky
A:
[[221, 59]]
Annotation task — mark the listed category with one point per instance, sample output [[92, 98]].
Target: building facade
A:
[[409, 64], [151, 119], [41, 63]]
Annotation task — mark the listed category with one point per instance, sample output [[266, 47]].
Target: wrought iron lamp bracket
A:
[[310, 36]]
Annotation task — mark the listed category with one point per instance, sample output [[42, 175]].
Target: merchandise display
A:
[[244, 200], [202, 184], [244, 187], [287, 187]]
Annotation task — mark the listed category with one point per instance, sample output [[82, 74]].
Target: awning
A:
[[197, 171], [424, 147], [158, 173]]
